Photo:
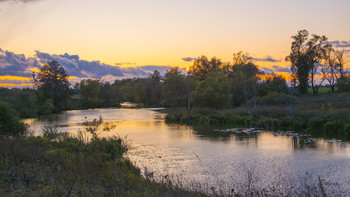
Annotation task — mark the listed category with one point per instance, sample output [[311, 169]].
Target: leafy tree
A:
[[110, 94], [202, 67], [153, 89], [10, 122], [52, 83], [274, 83], [24, 101], [214, 91], [305, 56], [90, 90], [244, 77], [174, 88]]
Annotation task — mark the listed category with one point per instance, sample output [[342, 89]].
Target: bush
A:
[[10, 122], [237, 120], [268, 123], [330, 128], [274, 98], [316, 125], [203, 120], [344, 84], [347, 130]]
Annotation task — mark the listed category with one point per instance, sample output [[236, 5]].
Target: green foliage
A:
[[347, 131], [174, 88], [304, 55], [268, 123], [344, 83], [239, 121], [67, 166], [47, 107], [90, 91], [214, 91], [274, 98], [316, 125], [52, 83], [10, 122], [201, 67], [273, 84], [203, 120], [24, 101]]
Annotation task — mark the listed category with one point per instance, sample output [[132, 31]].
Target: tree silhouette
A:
[[53, 86], [305, 56]]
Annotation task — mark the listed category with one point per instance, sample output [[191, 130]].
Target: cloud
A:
[[16, 64], [277, 68], [340, 43], [124, 63], [266, 70], [266, 59], [189, 59], [22, 1], [12, 64]]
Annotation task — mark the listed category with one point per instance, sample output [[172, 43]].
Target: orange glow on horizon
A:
[[12, 84], [16, 78]]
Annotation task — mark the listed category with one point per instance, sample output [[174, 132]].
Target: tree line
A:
[[209, 82]]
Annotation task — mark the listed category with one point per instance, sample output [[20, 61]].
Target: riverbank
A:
[[63, 165], [326, 115]]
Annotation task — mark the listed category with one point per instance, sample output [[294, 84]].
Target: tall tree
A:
[[52, 83], [174, 88], [90, 91], [305, 56], [202, 67], [214, 91], [332, 67]]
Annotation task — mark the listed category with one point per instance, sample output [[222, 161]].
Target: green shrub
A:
[[47, 107], [237, 120], [110, 149], [203, 120], [10, 122], [274, 98], [347, 131], [315, 125], [286, 123], [268, 123], [330, 129]]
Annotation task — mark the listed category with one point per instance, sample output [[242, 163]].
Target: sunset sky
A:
[[163, 32]]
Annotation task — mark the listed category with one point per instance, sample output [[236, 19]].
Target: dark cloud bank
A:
[[19, 65]]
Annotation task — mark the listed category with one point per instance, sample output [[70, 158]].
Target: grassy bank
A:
[[63, 165], [326, 115]]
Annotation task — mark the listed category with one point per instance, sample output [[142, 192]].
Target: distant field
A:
[[321, 90]]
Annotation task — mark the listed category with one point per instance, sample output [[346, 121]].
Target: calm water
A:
[[216, 159]]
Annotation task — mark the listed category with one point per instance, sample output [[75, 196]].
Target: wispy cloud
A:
[[189, 59], [265, 59], [124, 63], [340, 43], [20, 1], [277, 68], [266, 69]]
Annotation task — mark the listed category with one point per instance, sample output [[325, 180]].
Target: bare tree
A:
[[332, 69]]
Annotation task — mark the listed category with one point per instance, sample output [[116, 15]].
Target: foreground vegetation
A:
[[59, 164]]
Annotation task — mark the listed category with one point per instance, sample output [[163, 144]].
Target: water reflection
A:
[[209, 156]]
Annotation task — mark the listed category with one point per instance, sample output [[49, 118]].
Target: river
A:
[[212, 159]]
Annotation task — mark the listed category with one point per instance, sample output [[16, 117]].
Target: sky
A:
[[138, 33]]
